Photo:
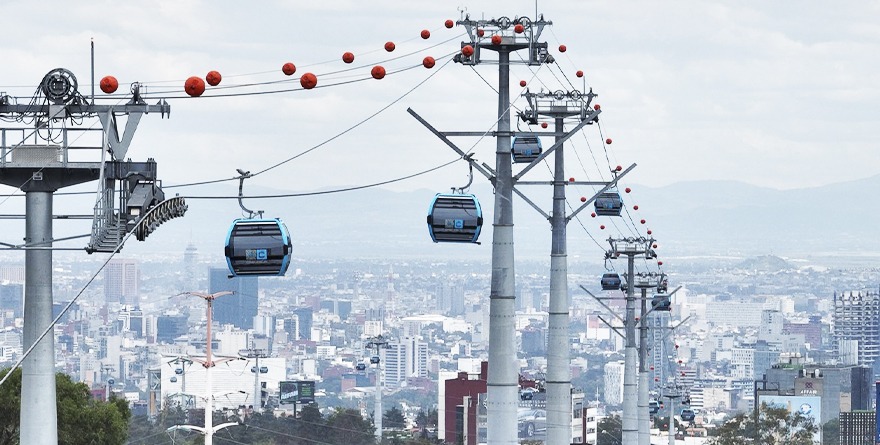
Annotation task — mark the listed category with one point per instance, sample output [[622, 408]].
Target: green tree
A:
[[609, 431], [774, 426], [346, 426], [831, 432], [81, 420], [393, 418]]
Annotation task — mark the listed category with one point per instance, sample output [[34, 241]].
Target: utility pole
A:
[[256, 354], [108, 380], [631, 248], [375, 344], [209, 429], [503, 36], [38, 161], [672, 395], [180, 365], [559, 106], [644, 281]]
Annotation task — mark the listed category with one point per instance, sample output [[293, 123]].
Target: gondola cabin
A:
[[608, 204], [173, 379], [653, 407], [178, 371], [455, 218], [610, 281], [526, 148], [688, 415], [360, 367], [262, 369], [374, 359], [661, 303], [258, 247]]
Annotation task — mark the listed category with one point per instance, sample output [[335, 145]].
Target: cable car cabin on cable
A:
[[608, 204], [688, 415], [661, 303], [610, 281], [525, 148], [455, 218], [258, 247]]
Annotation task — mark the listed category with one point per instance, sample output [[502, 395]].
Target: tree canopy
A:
[[774, 426], [81, 419]]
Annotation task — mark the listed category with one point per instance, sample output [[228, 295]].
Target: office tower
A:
[[660, 354], [240, 308], [857, 325], [405, 358], [122, 281], [614, 383], [450, 298], [12, 298], [190, 265], [169, 327]]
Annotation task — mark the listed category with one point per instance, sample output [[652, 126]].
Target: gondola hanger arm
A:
[[242, 176]]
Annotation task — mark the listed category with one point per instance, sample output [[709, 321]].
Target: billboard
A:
[[807, 406], [299, 391]]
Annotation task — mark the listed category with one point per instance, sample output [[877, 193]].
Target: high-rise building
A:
[[614, 383], [169, 327], [857, 323], [240, 308], [190, 265], [122, 279], [450, 298], [12, 298], [661, 348], [406, 357]]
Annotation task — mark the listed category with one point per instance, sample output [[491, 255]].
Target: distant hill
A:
[[688, 218]]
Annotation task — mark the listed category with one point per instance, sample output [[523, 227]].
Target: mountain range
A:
[[701, 218]]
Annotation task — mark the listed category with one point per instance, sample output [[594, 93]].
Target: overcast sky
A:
[[778, 94]]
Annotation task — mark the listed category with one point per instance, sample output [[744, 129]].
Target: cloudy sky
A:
[[777, 94]]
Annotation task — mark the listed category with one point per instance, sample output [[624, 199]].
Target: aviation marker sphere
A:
[[467, 50], [348, 57], [377, 72], [580, 73], [571, 179], [194, 86], [519, 28], [602, 227], [428, 62], [213, 78], [389, 46], [496, 39], [635, 207], [426, 34], [649, 231], [597, 107], [593, 214], [543, 124], [660, 263], [608, 141], [654, 246], [449, 23], [308, 81], [109, 84], [627, 189], [583, 199], [562, 48], [643, 221], [288, 68], [522, 83], [481, 32], [619, 168]]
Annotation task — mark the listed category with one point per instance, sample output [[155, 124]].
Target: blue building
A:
[[240, 308]]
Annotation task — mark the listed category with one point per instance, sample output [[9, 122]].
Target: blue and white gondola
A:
[[258, 247], [608, 204], [455, 218], [525, 148], [610, 281]]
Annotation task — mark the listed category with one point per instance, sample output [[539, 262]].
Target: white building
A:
[[614, 383], [404, 358]]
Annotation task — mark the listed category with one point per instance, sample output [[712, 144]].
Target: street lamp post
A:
[[209, 429]]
